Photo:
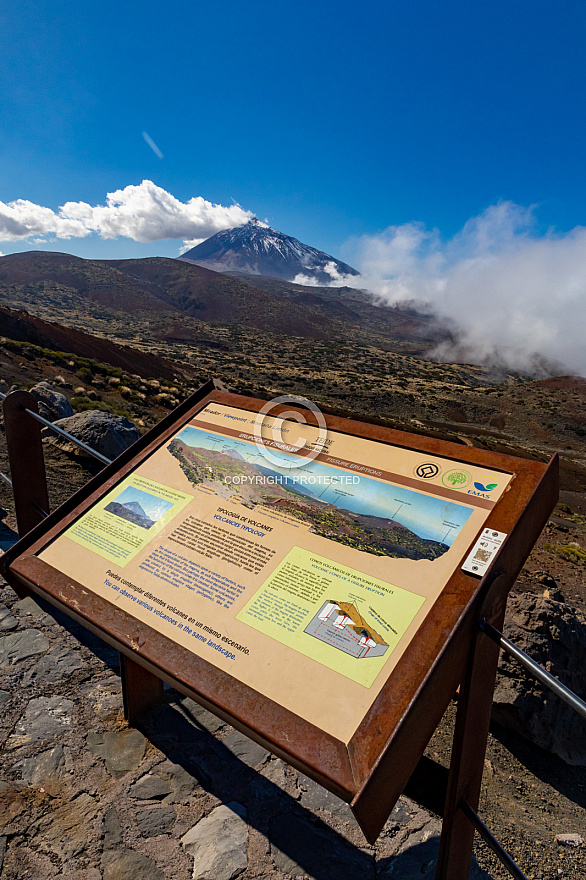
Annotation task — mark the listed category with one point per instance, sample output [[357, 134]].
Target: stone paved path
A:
[[85, 797]]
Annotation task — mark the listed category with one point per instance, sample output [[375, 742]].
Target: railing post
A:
[[27, 464]]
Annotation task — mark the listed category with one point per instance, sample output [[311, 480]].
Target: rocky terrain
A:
[[84, 794]]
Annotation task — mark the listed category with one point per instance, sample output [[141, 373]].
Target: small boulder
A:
[[572, 840], [52, 404], [102, 431], [498, 421]]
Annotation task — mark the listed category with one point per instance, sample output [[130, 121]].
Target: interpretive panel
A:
[[265, 564]]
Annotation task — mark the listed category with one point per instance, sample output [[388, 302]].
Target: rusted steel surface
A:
[[472, 720], [141, 689], [407, 711], [475, 702], [109, 476], [372, 769], [409, 716], [27, 464]]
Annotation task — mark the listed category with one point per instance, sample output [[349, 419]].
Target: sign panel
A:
[[317, 589], [266, 559]]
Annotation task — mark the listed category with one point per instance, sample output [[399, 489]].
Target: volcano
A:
[[258, 249]]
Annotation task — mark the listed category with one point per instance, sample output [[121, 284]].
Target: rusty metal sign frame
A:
[[384, 758]]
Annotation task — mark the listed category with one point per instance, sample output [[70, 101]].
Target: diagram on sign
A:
[[341, 625]]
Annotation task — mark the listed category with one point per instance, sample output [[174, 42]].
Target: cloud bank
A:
[[514, 295], [145, 213]]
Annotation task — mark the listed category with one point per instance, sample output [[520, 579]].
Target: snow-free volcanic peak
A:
[[258, 249]]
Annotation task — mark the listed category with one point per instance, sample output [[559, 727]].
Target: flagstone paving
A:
[[82, 795]]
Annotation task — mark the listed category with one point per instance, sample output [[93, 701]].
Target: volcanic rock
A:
[[554, 634], [219, 843], [102, 431], [52, 404]]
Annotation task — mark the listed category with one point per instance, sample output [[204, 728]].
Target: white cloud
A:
[[144, 213], [307, 280], [330, 268], [190, 243], [515, 294], [21, 219]]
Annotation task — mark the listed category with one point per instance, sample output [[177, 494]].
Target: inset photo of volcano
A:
[[138, 507]]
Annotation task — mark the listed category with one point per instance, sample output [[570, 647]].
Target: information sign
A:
[[304, 586]]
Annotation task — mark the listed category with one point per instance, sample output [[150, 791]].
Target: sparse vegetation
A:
[[372, 368], [572, 553]]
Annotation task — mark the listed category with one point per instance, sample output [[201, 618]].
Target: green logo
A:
[[457, 479]]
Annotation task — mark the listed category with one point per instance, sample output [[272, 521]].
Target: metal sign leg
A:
[[468, 751], [141, 690]]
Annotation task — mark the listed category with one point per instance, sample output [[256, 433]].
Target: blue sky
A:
[[437, 147], [328, 120], [429, 517]]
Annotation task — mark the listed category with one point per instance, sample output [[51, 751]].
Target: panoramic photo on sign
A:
[[280, 556]]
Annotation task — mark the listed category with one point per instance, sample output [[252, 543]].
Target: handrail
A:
[[65, 434], [491, 841], [535, 669]]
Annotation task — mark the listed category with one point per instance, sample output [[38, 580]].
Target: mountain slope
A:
[[258, 249], [96, 280], [401, 321], [20, 326], [160, 286], [211, 296], [160, 295]]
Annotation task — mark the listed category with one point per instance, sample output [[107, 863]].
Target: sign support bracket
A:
[[141, 690]]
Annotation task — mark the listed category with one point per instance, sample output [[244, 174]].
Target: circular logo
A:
[[276, 430], [428, 470], [457, 478]]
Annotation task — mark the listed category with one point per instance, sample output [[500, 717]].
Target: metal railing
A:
[[564, 693], [62, 433], [492, 843], [535, 669], [27, 476]]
